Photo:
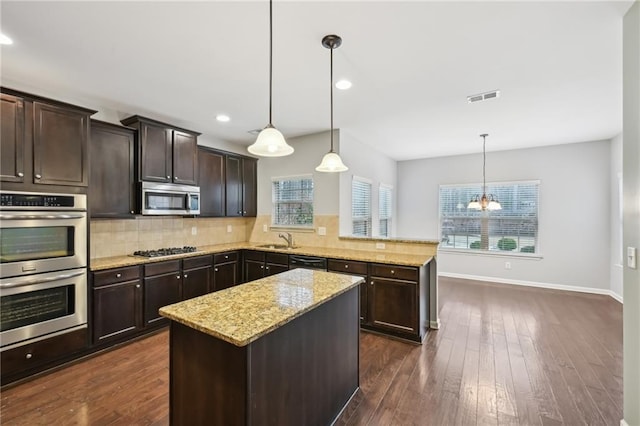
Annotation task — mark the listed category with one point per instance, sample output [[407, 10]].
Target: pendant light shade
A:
[[331, 162], [270, 142], [485, 202]]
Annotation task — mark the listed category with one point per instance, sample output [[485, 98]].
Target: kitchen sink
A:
[[277, 246]]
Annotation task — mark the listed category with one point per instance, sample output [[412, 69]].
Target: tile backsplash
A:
[[112, 237]]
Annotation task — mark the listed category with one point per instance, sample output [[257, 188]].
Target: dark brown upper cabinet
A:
[[212, 182], [165, 153], [241, 178], [44, 142], [112, 171]]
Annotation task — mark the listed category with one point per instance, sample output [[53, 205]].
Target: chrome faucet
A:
[[288, 238]]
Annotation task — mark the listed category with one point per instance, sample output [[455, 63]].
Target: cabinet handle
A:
[[168, 177], [371, 282], [185, 275], [38, 176], [215, 270], [178, 277], [29, 356], [137, 285], [244, 212], [118, 275], [226, 257], [131, 212], [239, 212], [393, 272], [267, 268], [20, 174], [346, 266], [261, 266]]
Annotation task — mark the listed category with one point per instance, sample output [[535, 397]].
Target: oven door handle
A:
[[24, 282], [33, 216]]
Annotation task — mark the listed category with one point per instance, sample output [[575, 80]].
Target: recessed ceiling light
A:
[[223, 118], [5, 40], [343, 84]]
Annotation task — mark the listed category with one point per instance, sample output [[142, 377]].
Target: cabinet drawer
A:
[[39, 353], [278, 259], [113, 276], [197, 262], [393, 271], [230, 256], [255, 255], [161, 268], [348, 267]]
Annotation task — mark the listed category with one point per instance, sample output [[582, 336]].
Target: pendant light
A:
[[486, 202], [270, 142], [331, 162]]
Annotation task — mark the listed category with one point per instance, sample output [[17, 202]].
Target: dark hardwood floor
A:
[[504, 355]]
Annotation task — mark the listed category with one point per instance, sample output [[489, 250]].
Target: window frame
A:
[[381, 217], [275, 203], [495, 252]]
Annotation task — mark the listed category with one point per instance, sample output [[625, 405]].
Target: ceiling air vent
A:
[[483, 96]]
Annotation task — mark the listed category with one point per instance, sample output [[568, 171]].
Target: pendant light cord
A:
[[484, 164], [331, 83], [270, 58]]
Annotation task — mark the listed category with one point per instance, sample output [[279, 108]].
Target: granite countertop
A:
[[244, 313], [394, 258]]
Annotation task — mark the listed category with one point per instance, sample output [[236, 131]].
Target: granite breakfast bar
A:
[[282, 350]]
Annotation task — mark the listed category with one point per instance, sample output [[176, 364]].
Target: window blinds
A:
[[385, 209], [361, 207], [292, 199], [514, 228]]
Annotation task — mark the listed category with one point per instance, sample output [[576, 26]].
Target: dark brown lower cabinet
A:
[[258, 264], [162, 286], [225, 270], [197, 276], [360, 269], [117, 310]]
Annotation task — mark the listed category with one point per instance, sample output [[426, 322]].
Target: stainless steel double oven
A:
[[43, 272]]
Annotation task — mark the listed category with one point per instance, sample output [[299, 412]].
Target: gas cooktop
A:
[[167, 251]]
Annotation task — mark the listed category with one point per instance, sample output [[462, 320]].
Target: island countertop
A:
[[244, 313]]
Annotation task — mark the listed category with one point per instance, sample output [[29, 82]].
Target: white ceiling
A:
[[557, 64]]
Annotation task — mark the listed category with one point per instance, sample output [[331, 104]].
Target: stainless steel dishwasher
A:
[[307, 262]]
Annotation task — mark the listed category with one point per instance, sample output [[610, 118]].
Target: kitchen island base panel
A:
[[303, 373]]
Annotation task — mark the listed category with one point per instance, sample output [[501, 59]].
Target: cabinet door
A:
[[233, 172], [160, 291], [117, 310], [253, 270], [12, 143], [393, 304], [185, 158], [249, 187], [112, 171], [212, 183], [225, 275], [155, 153], [60, 143], [273, 268], [196, 282]]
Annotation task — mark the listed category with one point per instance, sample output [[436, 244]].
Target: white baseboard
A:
[[623, 423], [434, 324], [533, 284]]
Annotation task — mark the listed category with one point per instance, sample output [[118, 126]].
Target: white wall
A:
[[615, 212], [363, 161], [574, 217], [631, 218], [308, 153]]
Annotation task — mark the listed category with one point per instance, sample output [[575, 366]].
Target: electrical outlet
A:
[[229, 228], [265, 228], [381, 246], [322, 230], [507, 265], [194, 230]]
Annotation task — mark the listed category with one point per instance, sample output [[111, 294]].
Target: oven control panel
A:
[[31, 201]]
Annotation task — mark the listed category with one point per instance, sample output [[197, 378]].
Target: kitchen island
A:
[[281, 350]]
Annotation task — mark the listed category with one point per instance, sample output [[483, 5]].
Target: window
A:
[[513, 229], [293, 201], [384, 209], [361, 207]]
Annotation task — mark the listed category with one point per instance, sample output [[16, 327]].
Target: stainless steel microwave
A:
[[169, 199]]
